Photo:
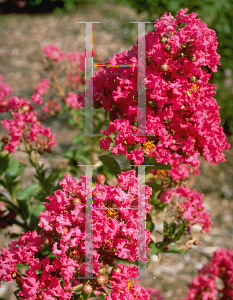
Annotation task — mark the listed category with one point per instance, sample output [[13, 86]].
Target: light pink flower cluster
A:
[[154, 294], [5, 91], [192, 209], [65, 78], [39, 91], [205, 285], [115, 232], [23, 124], [53, 53], [181, 112]]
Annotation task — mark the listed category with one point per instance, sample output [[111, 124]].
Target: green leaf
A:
[[174, 249], [28, 192], [5, 160], [16, 292], [12, 186], [24, 208], [111, 164], [171, 230], [9, 204], [155, 186], [153, 248], [149, 222], [34, 220], [15, 169], [156, 165], [125, 261]]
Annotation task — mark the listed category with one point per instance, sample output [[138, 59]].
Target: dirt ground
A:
[[21, 39]]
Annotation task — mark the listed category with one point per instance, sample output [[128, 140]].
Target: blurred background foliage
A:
[[218, 15]]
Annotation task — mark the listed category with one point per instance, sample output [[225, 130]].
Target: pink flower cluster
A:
[[65, 77], [181, 112], [154, 294], [123, 287], [23, 124], [115, 231], [192, 209], [205, 285], [39, 91], [53, 53]]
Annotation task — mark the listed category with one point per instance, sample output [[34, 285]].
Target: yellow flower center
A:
[[149, 145], [128, 284], [111, 212], [194, 88]]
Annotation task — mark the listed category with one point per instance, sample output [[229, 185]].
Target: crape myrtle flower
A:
[[181, 112], [115, 235]]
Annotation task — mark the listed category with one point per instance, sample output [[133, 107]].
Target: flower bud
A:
[[4, 140], [65, 230], [166, 248], [25, 108], [15, 274], [192, 58], [18, 280], [100, 178], [47, 240], [164, 67], [167, 48], [193, 78], [195, 242], [112, 262], [180, 209], [50, 150], [87, 289], [76, 201], [116, 269], [106, 278], [41, 150], [101, 280], [163, 39], [97, 104]]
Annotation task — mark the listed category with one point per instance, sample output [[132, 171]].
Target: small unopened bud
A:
[[3, 103], [167, 48], [116, 269], [41, 150], [193, 78], [76, 201], [112, 262], [65, 230], [163, 39], [15, 274], [164, 67], [192, 58], [87, 289], [47, 240], [18, 280], [25, 108], [101, 280], [100, 178], [195, 242], [166, 248], [180, 209], [106, 278], [4, 140]]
